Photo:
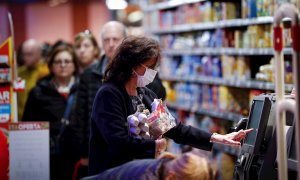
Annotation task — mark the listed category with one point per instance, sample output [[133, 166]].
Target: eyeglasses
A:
[[60, 62]]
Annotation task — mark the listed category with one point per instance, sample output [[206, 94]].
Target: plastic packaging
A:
[[160, 120], [144, 124]]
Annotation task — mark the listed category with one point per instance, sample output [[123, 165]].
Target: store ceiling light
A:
[[116, 4], [135, 16]]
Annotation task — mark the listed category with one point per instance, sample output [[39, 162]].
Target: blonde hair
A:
[[87, 35], [190, 167]]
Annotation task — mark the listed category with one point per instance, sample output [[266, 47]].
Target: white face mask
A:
[[147, 78]]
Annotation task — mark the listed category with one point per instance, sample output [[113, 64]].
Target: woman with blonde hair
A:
[[188, 166], [87, 49]]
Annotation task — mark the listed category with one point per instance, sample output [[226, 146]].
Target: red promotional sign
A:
[[7, 102]]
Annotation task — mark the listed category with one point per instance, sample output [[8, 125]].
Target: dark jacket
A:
[[110, 144], [144, 169], [157, 87], [89, 83], [46, 104]]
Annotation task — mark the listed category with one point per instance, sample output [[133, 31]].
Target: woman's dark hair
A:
[[132, 52], [59, 48]]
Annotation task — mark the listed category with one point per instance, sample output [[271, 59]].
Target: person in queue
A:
[[132, 68], [87, 50], [33, 68], [112, 34], [51, 100]]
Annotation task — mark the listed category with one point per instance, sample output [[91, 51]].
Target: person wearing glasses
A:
[[51, 100], [131, 69]]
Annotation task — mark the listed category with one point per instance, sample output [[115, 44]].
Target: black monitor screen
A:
[[253, 122], [292, 154]]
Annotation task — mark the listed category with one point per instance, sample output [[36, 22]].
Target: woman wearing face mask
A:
[[131, 69]]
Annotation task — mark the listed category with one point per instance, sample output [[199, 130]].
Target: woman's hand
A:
[[160, 146], [232, 139]]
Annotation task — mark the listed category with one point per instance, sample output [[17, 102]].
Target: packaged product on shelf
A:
[[207, 65], [217, 11], [192, 14], [194, 97], [244, 9], [246, 39], [256, 35], [288, 72], [171, 93], [167, 67], [243, 68], [268, 43], [179, 15], [287, 37], [265, 7], [198, 69], [266, 72], [217, 38], [207, 11], [228, 67], [216, 67], [259, 32], [229, 11], [215, 97], [203, 39], [240, 101], [228, 40], [225, 98], [238, 39], [166, 19], [207, 97], [252, 9]]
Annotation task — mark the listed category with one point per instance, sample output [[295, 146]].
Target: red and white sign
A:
[[29, 151]]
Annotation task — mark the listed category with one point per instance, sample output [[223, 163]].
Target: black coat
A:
[[157, 87], [89, 83], [110, 144], [46, 104]]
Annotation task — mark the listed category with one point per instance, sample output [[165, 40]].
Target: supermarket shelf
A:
[[222, 115], [169, 4], [223, 51], [214, 25], [251, 84], [227, 149]]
